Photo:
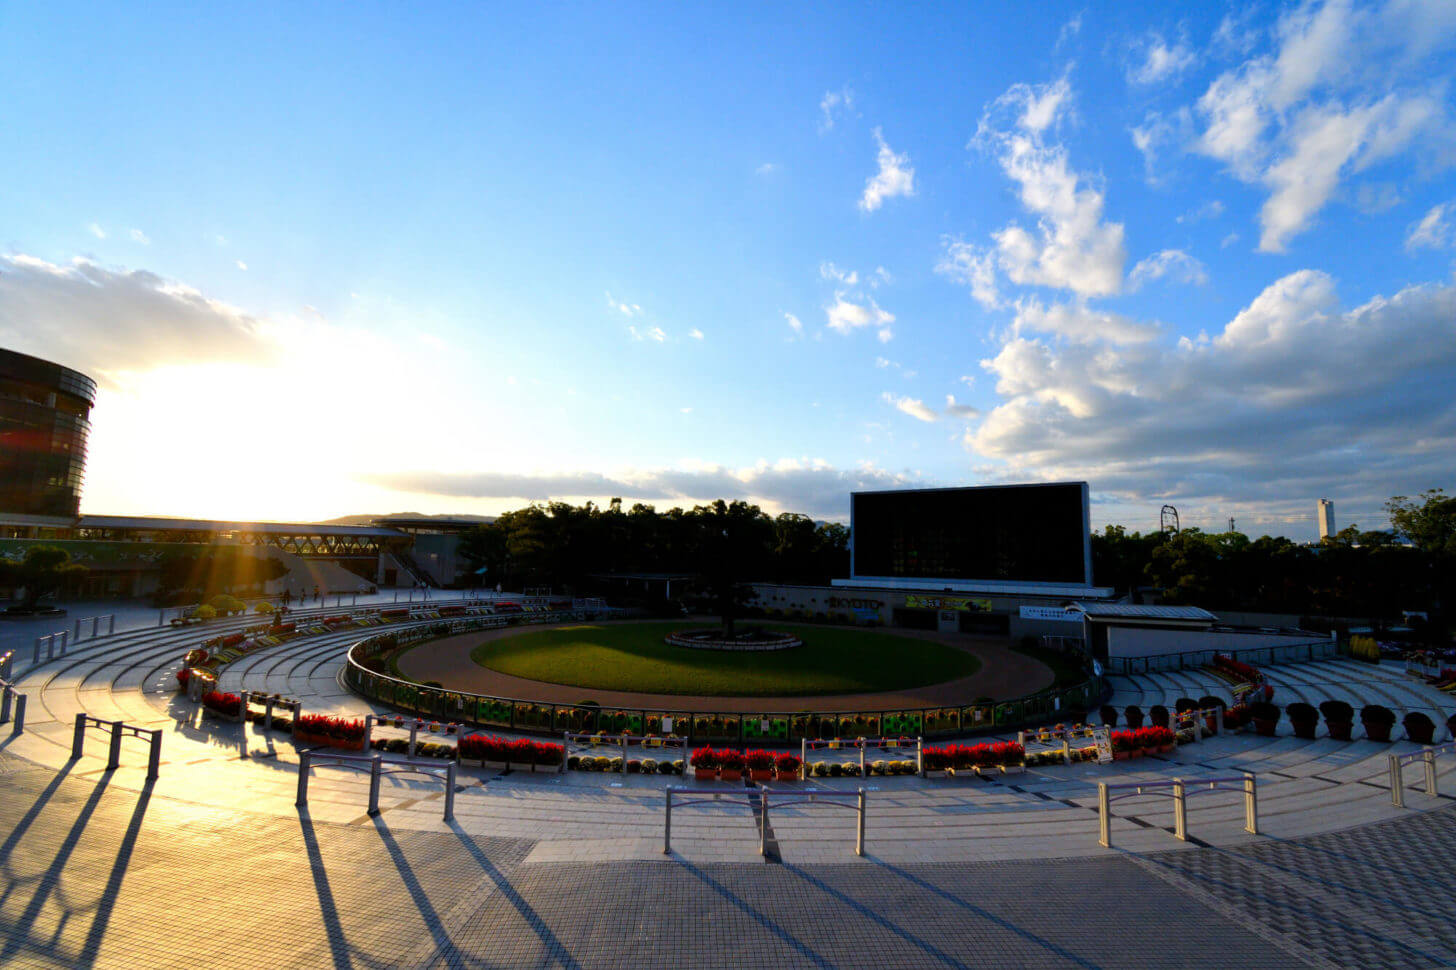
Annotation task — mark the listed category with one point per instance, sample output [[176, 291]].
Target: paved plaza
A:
[[213, 864]]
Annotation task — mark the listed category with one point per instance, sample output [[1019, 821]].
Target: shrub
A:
[[183, 676], [851, 769], [820, 769], [1419, 728], [1300, 711], [1185, 704], [634, 767], [227, 704], [704, 758], [1336, 712], [1108, 714], [787, 763], [1264, 711], [760, 761], [263, 607], [879, 767], [204, 612], [835, 769], [730, 760], [1134, 715], [1377, 714], [1158, 715], [935, 759], [648, 766]]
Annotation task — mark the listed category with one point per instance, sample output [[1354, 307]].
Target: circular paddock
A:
[[1003, 674]]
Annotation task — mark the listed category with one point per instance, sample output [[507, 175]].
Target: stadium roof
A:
[[1137, 611], [143, 522]]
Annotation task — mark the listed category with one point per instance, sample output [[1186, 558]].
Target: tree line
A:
[[563, 545]]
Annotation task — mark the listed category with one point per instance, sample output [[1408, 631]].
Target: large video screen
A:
[[1005, 533]]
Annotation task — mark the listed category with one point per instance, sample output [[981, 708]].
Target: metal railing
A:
[[377, 767], [95, 622], [1283, 653], [9, 695], [863, 744], [52, 645], [1427, 758], [1177, 789], [762, 799], [778, 727], [624, 742], [119, 729]]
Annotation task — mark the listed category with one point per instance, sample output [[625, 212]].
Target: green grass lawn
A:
[[1069, 673], [633, 656]]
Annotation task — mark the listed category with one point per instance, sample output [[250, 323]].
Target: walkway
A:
[[213, 864]]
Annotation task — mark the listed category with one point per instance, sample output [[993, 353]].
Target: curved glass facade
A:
[[44, 422]]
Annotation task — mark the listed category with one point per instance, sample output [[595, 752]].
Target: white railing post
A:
[[862, 769], [1104, 816], [154, 756], [859, 839], [374, 764], [414, 735], [763, 822], [111, 624], [303, 759], [65, 636], [803, 758], [1429, 757], [449, 792], [667, 823], [5, 693], [113, 757], [1180, 810], [920, 756], [1397, 785], [78, 628], [1251, 806], [19, 726]]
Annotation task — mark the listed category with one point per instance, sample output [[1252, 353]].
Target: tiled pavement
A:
[[213, 865]]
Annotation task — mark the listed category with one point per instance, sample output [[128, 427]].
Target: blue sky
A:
[[459, 258]]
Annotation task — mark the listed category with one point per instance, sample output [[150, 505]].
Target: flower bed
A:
[[223, 705], [336, 732], [509, 751]]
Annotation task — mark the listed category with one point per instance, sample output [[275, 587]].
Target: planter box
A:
[[1376, 732], [788, 775], [219, 715], [1265, 728], [1340, 730], [1304, 729], [705, 774], [730, 774], [766, 774]]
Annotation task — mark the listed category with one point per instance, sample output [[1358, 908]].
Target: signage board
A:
[[964, 603], [1104, 747], [1054, 614]]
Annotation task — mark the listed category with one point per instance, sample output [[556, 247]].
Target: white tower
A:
[[1326, 516]]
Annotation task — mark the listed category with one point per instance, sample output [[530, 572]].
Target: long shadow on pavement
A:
[[328, 908], [503, 883], [99, 922], [417, 893]]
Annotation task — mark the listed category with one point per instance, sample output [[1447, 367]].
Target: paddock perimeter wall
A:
[[524, 714]]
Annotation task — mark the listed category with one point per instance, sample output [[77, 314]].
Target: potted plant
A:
[[935, 760], [1108, 713], [787, 767], [1210, 703], [730, 765], [1377, 720], [1419, 728], [1304, 718], [1122, 743], [1134, 715], [760, 766], [1158, 716], [1184, 704], [705, 764], [1265, 716], [1339, 719]]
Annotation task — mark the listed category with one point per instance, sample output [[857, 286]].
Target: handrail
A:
[[118, 729], [762, 797], [963, 718], [1427, 757], [375, 765], [863, 744], [9, 693], [1180, 794]]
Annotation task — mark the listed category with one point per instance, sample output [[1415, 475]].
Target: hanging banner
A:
[[1053, 613], [965, 604]]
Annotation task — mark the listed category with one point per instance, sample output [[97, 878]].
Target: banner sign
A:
[[1053, 613], [916, 601], [1104, 747]]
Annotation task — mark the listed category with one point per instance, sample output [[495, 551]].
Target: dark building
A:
[[44, 411]]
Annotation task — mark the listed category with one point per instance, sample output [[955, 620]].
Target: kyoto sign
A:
[[916, 601]]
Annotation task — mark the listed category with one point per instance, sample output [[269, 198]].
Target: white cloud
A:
[[1172, 263], [1211, 209], [911, 406], [1069, 30], [1294, 395], [881, 277], [685, 410], [96, 231], [896, 177], [1333, 98], [829, 271], [972, 265], [1228, 240], [795, 324], [242, 265], [882, 362], [626, 309], [1434, 229], [954, 410], [767, 168], [656, 334], [1071, 246], [845, 317], [695, 333], [810, 486], [834, 104], [1159, 61], [101, 320], [138, 236], [969, 380], [1079, 323]]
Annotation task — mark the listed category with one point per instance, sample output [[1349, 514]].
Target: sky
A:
[[330, 259]]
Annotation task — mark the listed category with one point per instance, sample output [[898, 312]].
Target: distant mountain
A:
[[368, 519]]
